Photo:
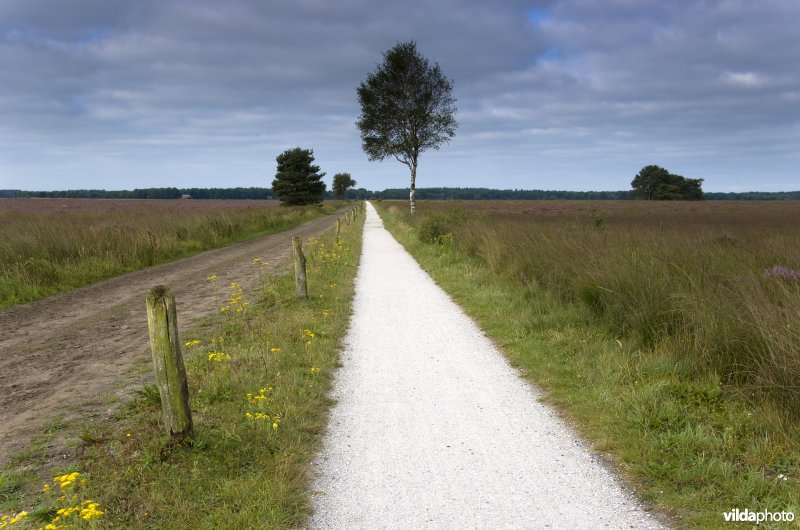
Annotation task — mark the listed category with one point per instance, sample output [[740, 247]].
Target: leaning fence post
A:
[[165, 345], [299, 269]]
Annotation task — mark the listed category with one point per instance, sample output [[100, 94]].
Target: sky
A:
[[551, 94]]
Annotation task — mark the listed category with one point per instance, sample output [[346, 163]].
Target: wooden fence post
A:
[[299, 269], [165, 345], [347, 216], [338, 228]]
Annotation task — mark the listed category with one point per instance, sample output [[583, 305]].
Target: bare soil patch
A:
[[64, 355]]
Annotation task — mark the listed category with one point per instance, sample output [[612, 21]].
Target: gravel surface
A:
[[433, 428]]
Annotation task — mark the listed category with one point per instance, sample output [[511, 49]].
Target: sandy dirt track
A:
[[434, 429], [60, 356]]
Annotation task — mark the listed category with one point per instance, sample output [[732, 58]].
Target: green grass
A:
[[694, 441], [240, 472], [47, 252]]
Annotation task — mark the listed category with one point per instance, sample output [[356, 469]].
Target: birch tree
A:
[[407, 107]]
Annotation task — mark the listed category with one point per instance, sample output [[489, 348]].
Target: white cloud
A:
[[744, 79]]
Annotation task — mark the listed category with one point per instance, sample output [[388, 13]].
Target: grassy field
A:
[[48, 246], [259, 374], [668, 332]]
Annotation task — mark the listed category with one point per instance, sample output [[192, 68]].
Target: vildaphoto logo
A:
[[746, 516]]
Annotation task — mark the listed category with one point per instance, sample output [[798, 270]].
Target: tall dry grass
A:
[[696, 280], [46, 252]]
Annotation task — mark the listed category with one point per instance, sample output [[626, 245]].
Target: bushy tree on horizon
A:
[[297, 180], [407, 107], [341, 183], [654, 183]]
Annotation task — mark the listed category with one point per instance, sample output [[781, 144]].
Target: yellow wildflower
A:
[[218, 357], [89, 510], [8, 520], [261, 396]]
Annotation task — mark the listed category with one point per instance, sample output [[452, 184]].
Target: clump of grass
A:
[[47, 252], [656, 331], [434, 228], [149, 395], [9, 486]]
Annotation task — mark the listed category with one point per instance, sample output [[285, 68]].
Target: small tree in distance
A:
[[657, 184], [297, 180], [407, 107], [341, 183]]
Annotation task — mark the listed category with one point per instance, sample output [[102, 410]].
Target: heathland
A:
[[49, 246], [668, 332]]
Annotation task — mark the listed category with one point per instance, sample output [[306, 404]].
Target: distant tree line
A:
[[146, 193], [492, 194], [392, 193], [753, 196]]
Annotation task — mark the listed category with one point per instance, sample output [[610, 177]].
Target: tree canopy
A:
[[297, 180], [407, 107], [657, 184], [341, 183]]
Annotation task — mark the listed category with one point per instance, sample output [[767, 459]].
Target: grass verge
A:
[[259, 377], [692, 445]]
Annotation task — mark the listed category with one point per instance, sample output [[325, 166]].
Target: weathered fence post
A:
[[299, 269], [338, 228], [347, 216], [165, 345]]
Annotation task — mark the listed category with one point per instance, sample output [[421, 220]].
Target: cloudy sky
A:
[[552, 94]]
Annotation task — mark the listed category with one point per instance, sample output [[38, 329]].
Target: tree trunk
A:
[[411, 196]]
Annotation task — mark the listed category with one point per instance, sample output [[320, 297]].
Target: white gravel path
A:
[[434, 429]]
